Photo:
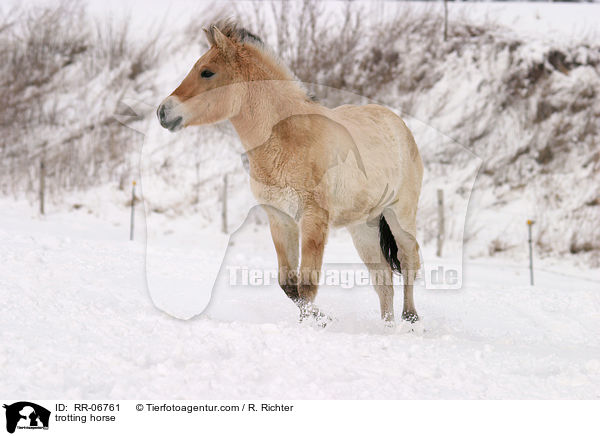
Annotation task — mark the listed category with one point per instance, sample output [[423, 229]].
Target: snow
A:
[[77, 314], [552, 20]]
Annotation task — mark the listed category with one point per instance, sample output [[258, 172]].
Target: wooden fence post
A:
[[42, 185], [440, 237], [224, 206], [530, 240], [132, 218]]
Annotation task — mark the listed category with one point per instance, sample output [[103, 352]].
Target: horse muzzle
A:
[[167, 118]]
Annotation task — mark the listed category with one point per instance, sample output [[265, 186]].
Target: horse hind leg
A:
[[403, 229], [367, 243]]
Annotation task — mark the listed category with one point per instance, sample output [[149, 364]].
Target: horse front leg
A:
[[284, 232], [314, 229]]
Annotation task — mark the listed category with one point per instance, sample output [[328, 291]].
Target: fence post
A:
[[224, 206], [132, 219], [42, 185], [529, 225], [440, 237]]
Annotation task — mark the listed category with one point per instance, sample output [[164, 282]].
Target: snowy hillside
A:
[[506, 121], [506, 117]]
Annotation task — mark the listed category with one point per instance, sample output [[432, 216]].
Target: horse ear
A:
[[221, 41]]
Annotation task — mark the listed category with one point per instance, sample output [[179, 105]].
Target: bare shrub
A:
[[577, 245], [114, 43], [35, 46], [366, 58], [497, 246], [62, 77]]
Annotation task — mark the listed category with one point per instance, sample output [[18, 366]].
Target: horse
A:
[[312, 168]]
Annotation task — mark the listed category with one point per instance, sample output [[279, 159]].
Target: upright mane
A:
[[240, 35], [234, 31]]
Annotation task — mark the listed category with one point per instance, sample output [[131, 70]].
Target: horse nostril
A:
[[161, 114]]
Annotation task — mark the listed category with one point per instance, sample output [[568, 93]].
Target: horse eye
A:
[[206, 74]]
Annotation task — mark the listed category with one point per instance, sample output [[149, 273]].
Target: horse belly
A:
[[351, 198]]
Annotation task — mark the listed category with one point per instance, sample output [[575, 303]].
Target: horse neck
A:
[[267, 103]]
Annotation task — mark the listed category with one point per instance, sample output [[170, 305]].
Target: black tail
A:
[[388, 245]]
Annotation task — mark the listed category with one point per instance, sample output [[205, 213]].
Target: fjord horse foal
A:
[[311, 167]]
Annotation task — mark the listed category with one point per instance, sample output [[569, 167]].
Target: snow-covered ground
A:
[[77, 317]]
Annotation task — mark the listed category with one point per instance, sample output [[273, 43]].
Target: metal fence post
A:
[[529, 226]]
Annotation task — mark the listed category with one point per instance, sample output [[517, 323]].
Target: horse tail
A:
[[389, 248]]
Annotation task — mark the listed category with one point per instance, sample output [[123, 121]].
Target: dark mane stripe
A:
[[234, 31]]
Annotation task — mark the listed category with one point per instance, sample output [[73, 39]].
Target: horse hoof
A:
[[411, 317]]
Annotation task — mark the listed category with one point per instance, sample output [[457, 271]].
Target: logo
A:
[[26, 415]]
